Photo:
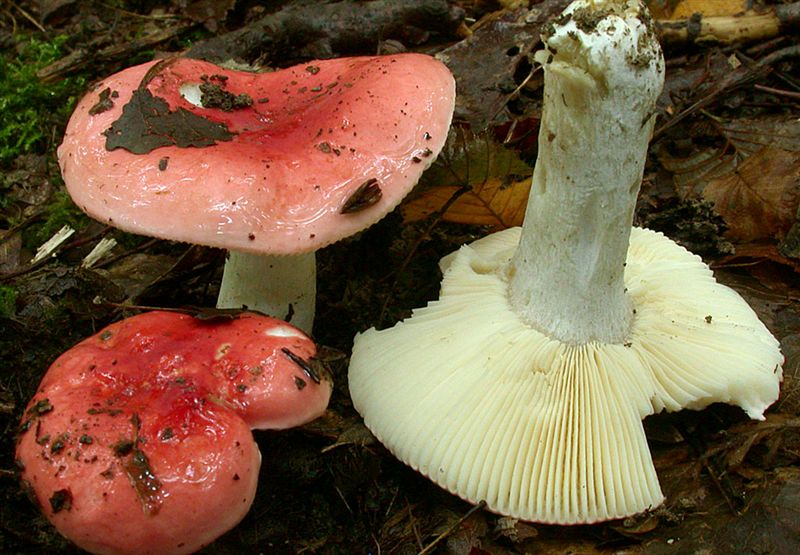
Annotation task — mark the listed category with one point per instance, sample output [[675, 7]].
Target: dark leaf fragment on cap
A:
[[367, 194], [147, 123]]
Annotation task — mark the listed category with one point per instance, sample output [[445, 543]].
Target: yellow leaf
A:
[[708, 8], [475, 180], [492, 203]]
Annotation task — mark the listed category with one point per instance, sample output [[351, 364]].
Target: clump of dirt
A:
[[214, 94]]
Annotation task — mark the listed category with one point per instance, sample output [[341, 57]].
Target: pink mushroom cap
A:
[[324, 150], [138, 438]]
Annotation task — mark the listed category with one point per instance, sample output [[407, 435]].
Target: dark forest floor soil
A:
[[722, 179]]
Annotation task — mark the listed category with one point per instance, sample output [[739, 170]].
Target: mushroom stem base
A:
[[281, 286]]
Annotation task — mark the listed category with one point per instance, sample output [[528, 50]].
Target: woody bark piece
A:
[[81, 58], [746, 27], [317, 30]]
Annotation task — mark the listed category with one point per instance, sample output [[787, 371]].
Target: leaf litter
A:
[[720, 175]]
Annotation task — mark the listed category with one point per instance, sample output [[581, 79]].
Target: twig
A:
[[302, 29], [116, 258], [779, 92], [102, 248], [775, 57], [28, 16], [377, 545], [199, 312], [721, 479], [21, 225], [78, 59], [504, 39], [779, 55], [735, 502], [515, 92], [13, 19], [46, 253], [428, 548], [414, 527], [139, 15], [736, 78], [49, 247], [341, 496]]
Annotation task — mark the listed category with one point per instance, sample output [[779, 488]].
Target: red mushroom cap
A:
[[138, 439], [313, 153]]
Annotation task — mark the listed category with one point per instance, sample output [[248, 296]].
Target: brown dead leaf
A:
[[493, 203], [789, 401], [660, 9], [10, 252], [485, 64], [492, 181], [208, 12], [747, 136], [759, 199], [749, 172], [771, 523], [464, 536], [693, 168], [749, 252], [637, 525], [355, 434], [744, 437], [133, 274], [693, 165]]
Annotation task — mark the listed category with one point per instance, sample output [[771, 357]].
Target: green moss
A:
[[30, 108], [8, 301]]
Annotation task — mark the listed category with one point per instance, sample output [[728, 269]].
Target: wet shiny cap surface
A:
[[287, 161], [138, 438]]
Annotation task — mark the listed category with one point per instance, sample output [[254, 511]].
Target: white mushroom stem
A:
[[281, 286], [602, 79], [530, 397]]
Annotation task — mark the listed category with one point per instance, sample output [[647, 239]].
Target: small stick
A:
[[29, 17], [779, 92]]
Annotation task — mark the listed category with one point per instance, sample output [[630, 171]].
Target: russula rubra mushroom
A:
[[138, 438], [525, 384], [281, 164]]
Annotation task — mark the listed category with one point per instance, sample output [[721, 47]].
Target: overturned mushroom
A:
[[280, 164], [525, 384], [138, 438]]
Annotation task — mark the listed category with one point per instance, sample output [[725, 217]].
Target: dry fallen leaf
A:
[[759, 199], [694, 165], [749, 173], [492, 181], [490, 64], [494, 202]]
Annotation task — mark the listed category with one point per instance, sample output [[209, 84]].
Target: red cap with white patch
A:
[[138, 438]]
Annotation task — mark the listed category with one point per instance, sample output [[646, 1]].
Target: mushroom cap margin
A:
[[478, 402], [180, 394], [314, 134]]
